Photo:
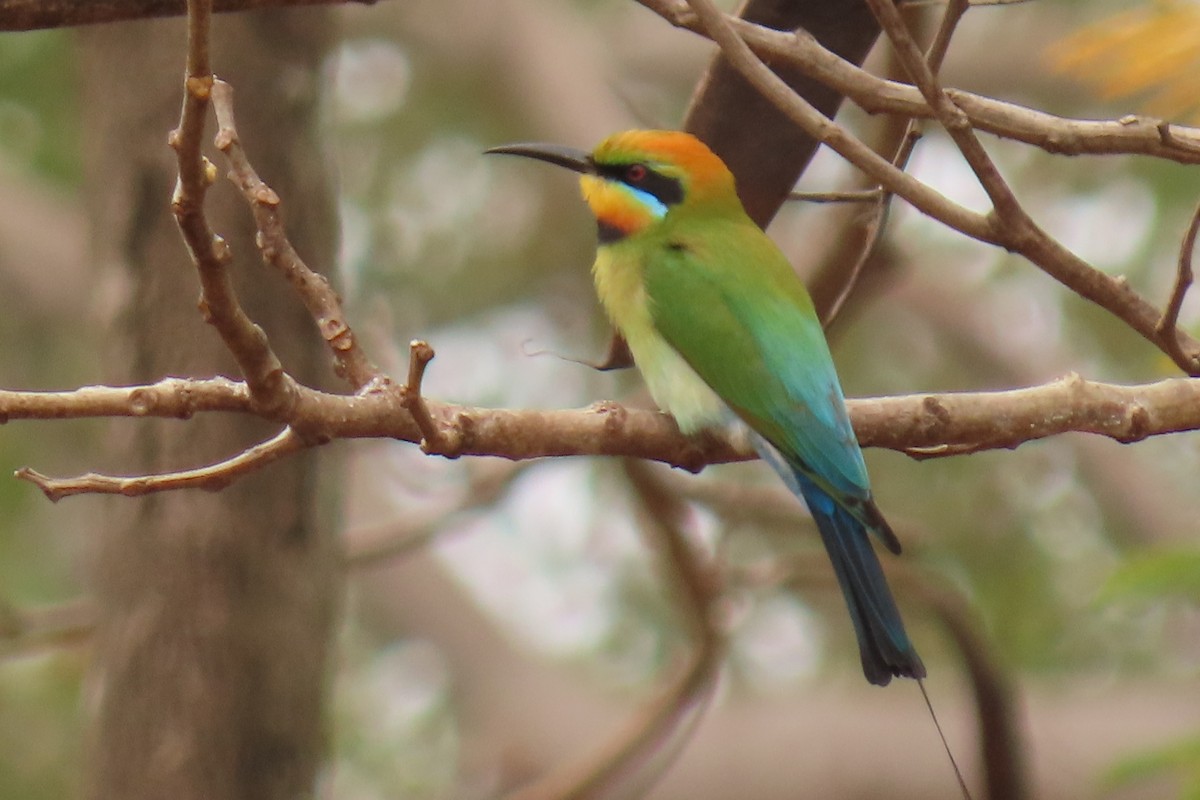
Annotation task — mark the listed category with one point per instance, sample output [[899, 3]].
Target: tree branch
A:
[[433, 437], [270, 386], [350, 362], [922, 426], [648, 743], [1002, 741], [904, 149], [27, 630], [28, 15], [213, 477], [837, 138], [951, 116], [1168, 325], [1008, 226], [1129, 135]]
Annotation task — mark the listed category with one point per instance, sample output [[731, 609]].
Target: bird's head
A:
[[633, 180]]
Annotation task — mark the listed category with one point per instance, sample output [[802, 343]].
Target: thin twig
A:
[[876, 226], [934, 57], [956, 123], [213, 477], [1168, 325], [350, 362], [28, 15], [848, 196], [271, 387], [435, 439], [30, 630]]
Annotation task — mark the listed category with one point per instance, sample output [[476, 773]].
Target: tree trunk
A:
[[762, 147], [216, 610]]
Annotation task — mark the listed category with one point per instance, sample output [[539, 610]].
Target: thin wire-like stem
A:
[[1168, 325]]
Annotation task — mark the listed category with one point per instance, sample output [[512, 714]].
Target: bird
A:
[[722, 328]]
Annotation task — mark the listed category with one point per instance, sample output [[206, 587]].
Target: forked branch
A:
[[1008, 226], [313, 288]]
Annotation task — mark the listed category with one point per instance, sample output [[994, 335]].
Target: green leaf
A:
[[1168, 573], [1182, 756]]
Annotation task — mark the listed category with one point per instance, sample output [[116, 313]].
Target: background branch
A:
[[840, 287], [31, 629], [1130, 135], [27, 15], [1009, 227], [648, 743], [1168, 325], [1002, 738]]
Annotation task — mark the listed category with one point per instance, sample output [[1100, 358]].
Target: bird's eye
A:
[[635, 173]]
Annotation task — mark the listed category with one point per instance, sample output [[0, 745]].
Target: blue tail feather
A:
[[883, 643]]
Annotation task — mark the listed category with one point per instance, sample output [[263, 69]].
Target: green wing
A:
[[730, 304]]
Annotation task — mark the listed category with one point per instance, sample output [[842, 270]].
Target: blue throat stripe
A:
[[648, 201]]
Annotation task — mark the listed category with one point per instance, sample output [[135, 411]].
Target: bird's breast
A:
[[673, 384]]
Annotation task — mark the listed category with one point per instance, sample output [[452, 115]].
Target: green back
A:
[[724, 296]]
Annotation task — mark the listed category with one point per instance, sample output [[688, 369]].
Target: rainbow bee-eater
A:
[[720, 326]]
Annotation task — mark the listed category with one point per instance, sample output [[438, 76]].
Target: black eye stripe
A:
[[669, 191]]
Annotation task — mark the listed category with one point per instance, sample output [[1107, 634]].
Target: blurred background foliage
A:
[[1078, 555]]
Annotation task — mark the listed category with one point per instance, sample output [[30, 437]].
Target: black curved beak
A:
[[569, 157]]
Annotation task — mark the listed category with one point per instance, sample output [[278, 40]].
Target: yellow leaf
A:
[[1151, 53]]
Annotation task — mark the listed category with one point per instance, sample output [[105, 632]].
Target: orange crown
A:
[[678, 154], [702, 176]]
